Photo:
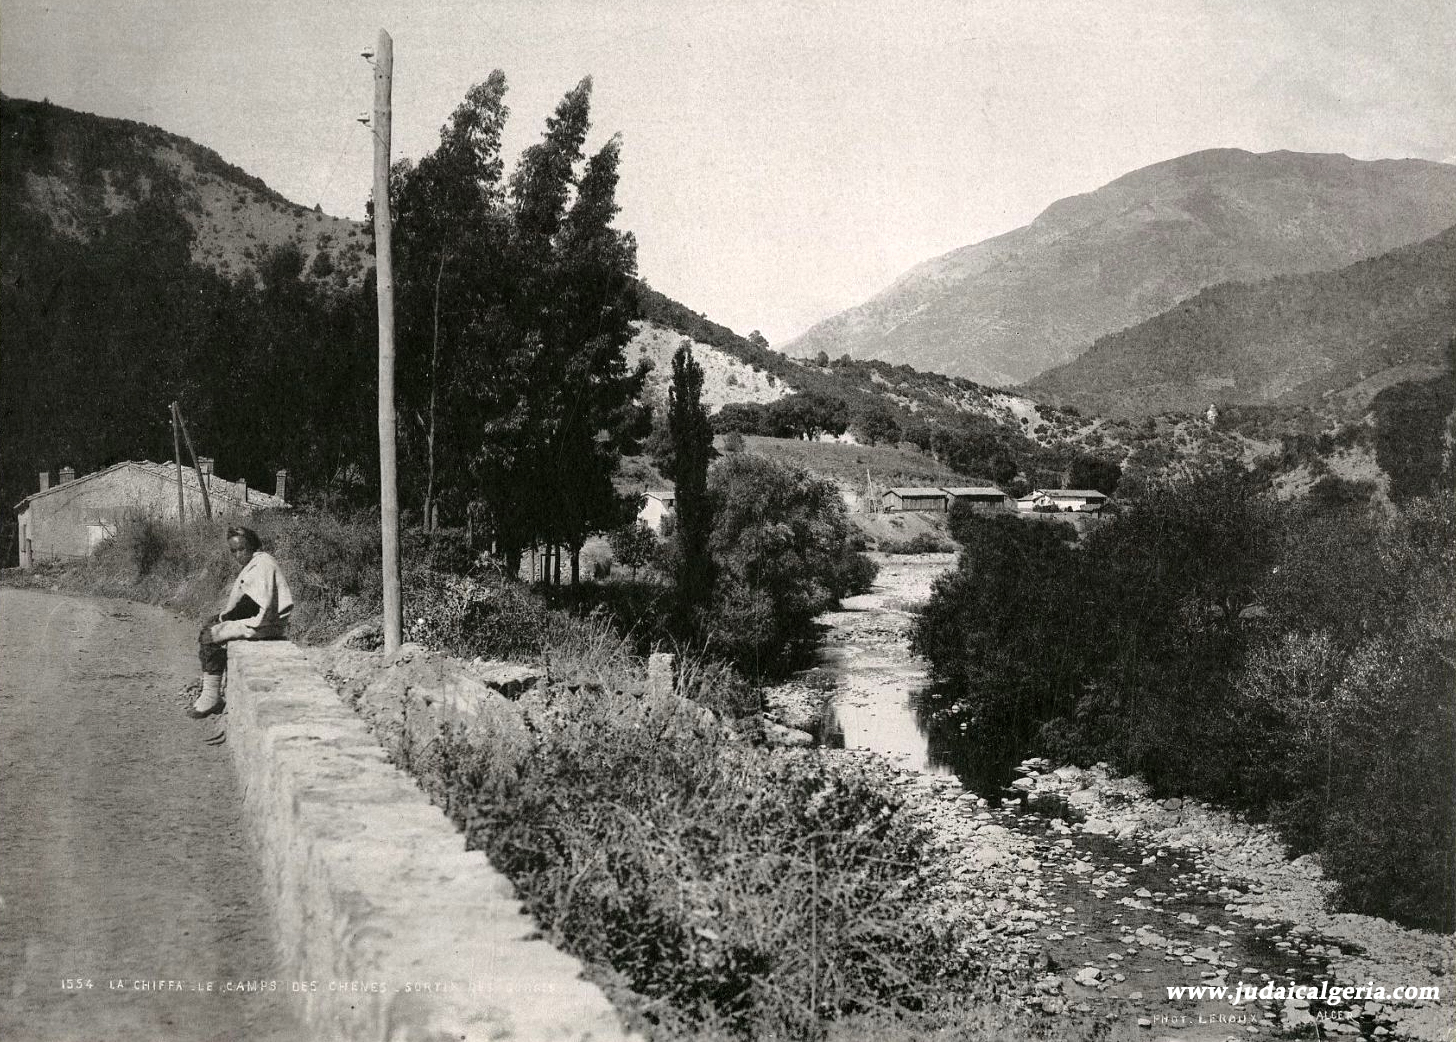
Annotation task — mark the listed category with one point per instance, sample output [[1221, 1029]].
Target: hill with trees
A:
[[1335, 337], [1006, 309], [78, 171]]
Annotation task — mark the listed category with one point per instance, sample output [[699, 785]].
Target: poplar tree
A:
[[450, 268], [692, 449], [519, 310]]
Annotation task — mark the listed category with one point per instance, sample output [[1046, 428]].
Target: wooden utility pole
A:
[[384, 270], [187, 438], [177, 455]]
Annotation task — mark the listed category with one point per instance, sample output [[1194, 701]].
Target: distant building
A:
[[67, 520], [922, 499], [1076, 500], [979, 498], [657, 505], [939, 500]]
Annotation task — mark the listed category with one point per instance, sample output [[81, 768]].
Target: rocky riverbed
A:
[[1108, 896]]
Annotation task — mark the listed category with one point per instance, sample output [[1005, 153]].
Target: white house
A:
[[657, 504], [1076, 500]]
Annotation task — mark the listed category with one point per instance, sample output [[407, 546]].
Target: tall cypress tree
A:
[[692, 448]]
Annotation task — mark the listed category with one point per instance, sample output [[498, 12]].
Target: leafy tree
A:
[[1094, 472], [745, 418], [450, 275], [810, 413], [781, 546], [876, 422], [634, 545], [521, 298], [1411, 433]]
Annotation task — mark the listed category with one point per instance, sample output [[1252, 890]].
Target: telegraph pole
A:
[[196, 466], [177, 456], [384, 269]]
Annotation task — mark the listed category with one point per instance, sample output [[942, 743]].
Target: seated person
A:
[[258, 608]]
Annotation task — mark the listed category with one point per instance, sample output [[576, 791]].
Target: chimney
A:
[[243, 484], [67, 474], [204, 464], [45, 480], [282, 486]]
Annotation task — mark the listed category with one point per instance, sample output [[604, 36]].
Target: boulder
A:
[[786, 737]]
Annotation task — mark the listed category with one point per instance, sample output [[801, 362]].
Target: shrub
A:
[[471, 617], [923, 543], [781, 549]]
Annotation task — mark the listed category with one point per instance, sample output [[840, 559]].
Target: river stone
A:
[[778, 734], [988, 857], [1097, 827]]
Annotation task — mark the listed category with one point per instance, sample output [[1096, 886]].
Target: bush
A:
[[781, 548], [924, 543], [471, 617]]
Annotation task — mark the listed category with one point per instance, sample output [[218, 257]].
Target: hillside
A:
[[726, 378], [76, 170], [1337, 337], [1006, 309]]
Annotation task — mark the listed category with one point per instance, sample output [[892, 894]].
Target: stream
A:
[[1124, 896]]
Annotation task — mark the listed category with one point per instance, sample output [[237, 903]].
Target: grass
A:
[[888, 466]]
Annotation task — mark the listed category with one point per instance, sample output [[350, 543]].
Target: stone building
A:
[[67, 520]]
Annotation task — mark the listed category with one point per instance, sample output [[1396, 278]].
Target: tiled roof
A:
[[967, 491], [904, 491], [218, 489], [1084, 493]]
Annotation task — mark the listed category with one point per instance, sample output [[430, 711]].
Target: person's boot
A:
[[210, 701]]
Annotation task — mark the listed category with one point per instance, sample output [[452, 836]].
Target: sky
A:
[[781, 160]]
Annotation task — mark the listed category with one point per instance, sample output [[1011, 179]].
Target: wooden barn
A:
[[924, 499], [979, 498]]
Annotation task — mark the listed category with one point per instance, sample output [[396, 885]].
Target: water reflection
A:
[[985, 763]]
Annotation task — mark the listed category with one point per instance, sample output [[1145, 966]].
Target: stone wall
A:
[[395, 929]]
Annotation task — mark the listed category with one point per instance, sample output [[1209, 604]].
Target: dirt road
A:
[[128, 879]]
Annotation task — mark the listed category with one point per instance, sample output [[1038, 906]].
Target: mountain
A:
[[76, 170], [1008, 308], [1299, 339]]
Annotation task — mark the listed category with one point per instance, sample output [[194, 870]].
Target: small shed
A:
[[67, 520], [979, 498], [657, 505], [922, 499]]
